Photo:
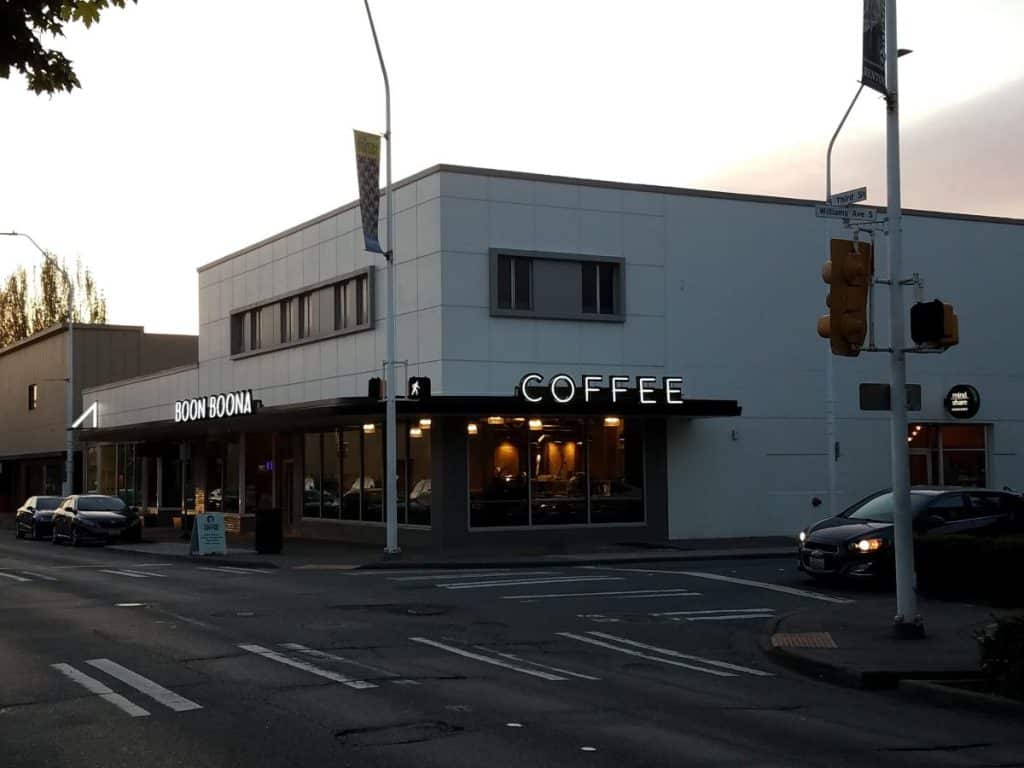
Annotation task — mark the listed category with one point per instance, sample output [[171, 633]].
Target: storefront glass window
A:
[[311, 477], [947, 454], [106, 467], [498, 478], [616, 471], [92, 476], [418, 472], [332, 447], [230, 495], [373, 473], [351, 471], [558, 478]]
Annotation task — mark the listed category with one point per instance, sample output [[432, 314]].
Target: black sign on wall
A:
[[962, 401]]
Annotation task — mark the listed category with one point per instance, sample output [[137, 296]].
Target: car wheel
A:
[[53, 536], [35, 532], [75, 541], [18, 533]]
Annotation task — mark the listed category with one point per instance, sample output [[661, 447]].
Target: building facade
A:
[[613, 292], [33, 386]]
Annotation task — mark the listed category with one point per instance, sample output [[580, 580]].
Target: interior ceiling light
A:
[[425, 423], [497, 420], [415, 432], [369, 428], [472, 428], [536, 424], [612, 421]]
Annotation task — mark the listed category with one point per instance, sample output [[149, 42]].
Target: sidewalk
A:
[[853, 644], [337, 555]]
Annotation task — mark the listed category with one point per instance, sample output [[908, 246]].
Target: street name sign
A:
[[849, 197], [845, 212]]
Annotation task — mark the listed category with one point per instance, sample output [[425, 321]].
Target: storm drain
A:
[[400, 733], [803, 640]]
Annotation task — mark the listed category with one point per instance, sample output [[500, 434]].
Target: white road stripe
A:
[[14, 577], [639, 592], [151, 565], [131, 574], [144, 574], [230, 569], [715, 610], [155, 691], [280, 658], [735, 580], [521, 660], [486, 659], [678, 655], [679, 593], [39, 576], [522, 582], [93, 685], [325, 656], [730, 617], [478, 575], [630, 652]]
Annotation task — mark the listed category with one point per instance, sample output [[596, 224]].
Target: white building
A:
[[502, 274]]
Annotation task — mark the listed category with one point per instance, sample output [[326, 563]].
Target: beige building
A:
[[33, 395]]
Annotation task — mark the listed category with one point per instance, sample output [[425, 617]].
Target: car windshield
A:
[[47, 502], [100, 504], [879, 508]]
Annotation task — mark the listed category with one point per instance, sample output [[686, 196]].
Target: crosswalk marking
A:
[[133, 574], [42, 576], [630, 652], [325, 656], [231, 569], [727, 617], [637, 592], [521, 660], [13, 576], [280, 658], [732, 580], [714, 611], [155, 691], [678, 655], [679, 593], [473, 575], [487, 659], [93, 685], [522, 582]]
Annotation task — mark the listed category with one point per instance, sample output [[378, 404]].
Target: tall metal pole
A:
[[907, 620], [832, 454], [391, 417], [67, 487]]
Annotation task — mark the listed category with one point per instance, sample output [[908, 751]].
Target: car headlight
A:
[[802, 536], [864, 546]]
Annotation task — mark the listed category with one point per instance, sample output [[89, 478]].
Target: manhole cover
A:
[[803, 640], [401, 733]]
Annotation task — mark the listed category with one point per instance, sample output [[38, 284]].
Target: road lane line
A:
[[478, 575], [521, 660], [144, 574], [678, 655], [14, 577], [730, 617], [523, 582], [487, 659], [130, 574], [155, 691], [240, 569], [229, 569], [39, 576], [679, 593], [735, 580], [280, 658], [654, 592], [93, 685], [630, 652], [714, 610], [325, 656]]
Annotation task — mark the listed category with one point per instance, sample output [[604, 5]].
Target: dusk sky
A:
[[203, 127]]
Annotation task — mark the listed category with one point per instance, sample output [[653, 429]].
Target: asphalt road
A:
[[110, 659]]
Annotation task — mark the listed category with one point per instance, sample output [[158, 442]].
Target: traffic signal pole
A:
[[907, 621]]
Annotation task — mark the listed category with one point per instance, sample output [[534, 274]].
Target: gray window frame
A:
[[320, 334], [33, 397], [619, 316]]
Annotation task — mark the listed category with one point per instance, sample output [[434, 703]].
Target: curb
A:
[[944, 695], [204, 559], [563, 560]]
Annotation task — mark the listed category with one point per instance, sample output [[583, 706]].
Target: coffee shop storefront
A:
[[543, 465]]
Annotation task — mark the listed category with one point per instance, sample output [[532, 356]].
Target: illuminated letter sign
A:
[[218, 406], [562, 389]]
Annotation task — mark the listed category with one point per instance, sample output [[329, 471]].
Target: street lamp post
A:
[[69, 458], [391, 417]]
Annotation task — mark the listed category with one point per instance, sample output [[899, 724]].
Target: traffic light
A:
[[848, 272], [934, 324]]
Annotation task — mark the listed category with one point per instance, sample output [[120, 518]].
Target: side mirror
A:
[[30, 509]]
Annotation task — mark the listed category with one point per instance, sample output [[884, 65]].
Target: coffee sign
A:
[[563, 389], [962, 401]]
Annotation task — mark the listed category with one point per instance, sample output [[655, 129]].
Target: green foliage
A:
[[23, 22], [1002, 654], [975, 568], [27, 307]]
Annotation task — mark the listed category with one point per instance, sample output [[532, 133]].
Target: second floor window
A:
[[255, 329], [515, 274], [600, 282], [305, 315], [33, 396], [287, 321]]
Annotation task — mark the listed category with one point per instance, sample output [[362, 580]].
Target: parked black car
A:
[[35, 517], [95, 518], [858, 543]]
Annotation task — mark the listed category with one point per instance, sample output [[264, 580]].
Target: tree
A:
[[27, 308], [21, 24]]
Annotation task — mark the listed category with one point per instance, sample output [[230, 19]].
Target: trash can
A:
[[267, 536]]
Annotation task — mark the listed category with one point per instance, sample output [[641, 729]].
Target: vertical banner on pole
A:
[[873, 65], [368, 173]]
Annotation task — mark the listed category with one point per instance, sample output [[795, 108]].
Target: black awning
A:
[[327, 414]]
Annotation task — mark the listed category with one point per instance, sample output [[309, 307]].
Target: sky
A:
[[203, 127]]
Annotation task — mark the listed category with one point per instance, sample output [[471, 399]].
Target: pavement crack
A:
[[396, 734]]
